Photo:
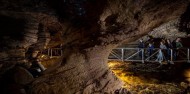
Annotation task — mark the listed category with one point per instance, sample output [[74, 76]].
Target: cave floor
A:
[[153, 78]]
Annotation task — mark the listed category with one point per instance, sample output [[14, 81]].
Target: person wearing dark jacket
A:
[[141, 46], [169, 48], [178, 47], [150, 49]]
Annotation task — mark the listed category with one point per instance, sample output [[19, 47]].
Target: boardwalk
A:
[[140, 55]]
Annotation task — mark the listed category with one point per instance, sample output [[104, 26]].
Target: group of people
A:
[[164, 52]]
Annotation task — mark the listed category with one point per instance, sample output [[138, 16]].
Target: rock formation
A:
[[87, 30]]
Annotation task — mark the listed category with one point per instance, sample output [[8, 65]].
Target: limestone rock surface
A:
[[87, 31]]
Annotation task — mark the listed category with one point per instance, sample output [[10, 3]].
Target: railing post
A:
[[61, 52], [142, 55], [171, 56], [48, 52], [122, 54], [51, 53], [188, 61]]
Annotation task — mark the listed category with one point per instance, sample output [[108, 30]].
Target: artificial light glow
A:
[[120, 72], [42, 56]]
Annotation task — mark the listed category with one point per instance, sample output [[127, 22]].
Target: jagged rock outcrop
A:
[[168, 30], [86, 39]]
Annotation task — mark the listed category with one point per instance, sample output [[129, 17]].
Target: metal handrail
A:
[[50, 51], [134, 54], [121, 57], [152, 55], [115, 54]]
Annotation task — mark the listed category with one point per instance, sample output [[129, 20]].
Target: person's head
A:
[[150, 44], [163, 40], [161, 43], [140, 40], [168, 41], [178, 39]]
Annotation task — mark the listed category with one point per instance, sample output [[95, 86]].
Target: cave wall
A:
[[169, 30], [86, 42]]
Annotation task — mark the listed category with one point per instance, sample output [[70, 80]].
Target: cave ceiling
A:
[[98, 19], [87, 31]]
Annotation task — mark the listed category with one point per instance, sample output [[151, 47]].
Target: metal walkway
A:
[[141, 55]]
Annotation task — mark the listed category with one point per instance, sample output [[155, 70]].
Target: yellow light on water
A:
[[42, 56], [125, 76]]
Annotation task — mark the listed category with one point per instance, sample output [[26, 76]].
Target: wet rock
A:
[[77, 68], [184, 85], [22, 76]]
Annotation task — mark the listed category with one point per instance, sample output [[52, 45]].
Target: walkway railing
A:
[[53, 52], [142, 55]]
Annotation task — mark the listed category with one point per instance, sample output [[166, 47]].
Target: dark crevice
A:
[[80, 13], [184, 24], [11, 27]]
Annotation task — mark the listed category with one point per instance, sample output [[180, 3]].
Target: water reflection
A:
[[151, 78]]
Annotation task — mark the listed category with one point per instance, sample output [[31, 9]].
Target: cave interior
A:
[[62, 46]]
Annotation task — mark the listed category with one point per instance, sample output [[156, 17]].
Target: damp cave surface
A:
[[151, 76], [63, 46]]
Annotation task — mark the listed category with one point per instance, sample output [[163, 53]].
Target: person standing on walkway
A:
[[150, 49], [140, 46], [169, 48], [174, 49], [160, 56], [178, 47]]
